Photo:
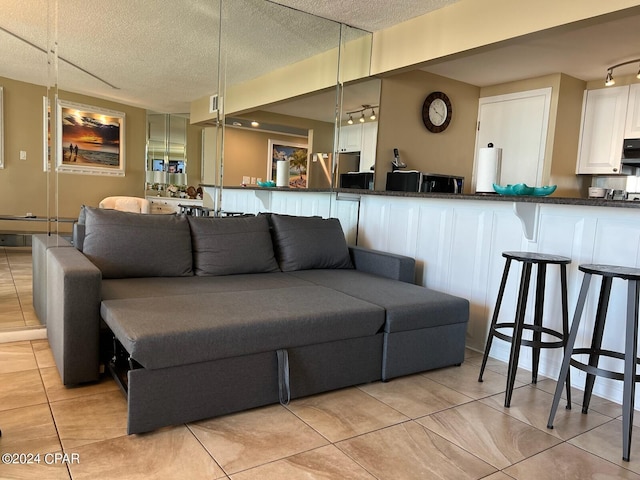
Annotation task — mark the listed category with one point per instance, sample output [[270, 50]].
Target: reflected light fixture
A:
[[609, 81], [362, 112], [255, 124]]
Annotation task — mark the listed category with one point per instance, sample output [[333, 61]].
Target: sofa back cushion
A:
[[305, 243], [233, 245], [124, 245]]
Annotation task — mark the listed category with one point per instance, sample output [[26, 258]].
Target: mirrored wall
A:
[[91, 64]]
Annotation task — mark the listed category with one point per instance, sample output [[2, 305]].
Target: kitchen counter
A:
[[551, 199]]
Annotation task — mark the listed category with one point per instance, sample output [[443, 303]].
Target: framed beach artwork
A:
[[298, 156], [90, 140]]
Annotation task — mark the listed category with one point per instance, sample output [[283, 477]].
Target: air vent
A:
[[215, 103]]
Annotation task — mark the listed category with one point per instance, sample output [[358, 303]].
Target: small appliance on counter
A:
[[441, 183], [404, 181], [631, 152], [359, 180]]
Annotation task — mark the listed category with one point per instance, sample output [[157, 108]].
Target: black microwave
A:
[[631, 152]]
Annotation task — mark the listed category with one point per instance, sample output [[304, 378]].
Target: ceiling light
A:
[[373, 114], [609, 80], [362, 118], [255, 124], [350, 121]]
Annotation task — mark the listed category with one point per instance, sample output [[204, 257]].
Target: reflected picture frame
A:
[[297, 153], [90, 140]]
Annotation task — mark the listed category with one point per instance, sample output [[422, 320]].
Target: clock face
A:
[[436, 112]]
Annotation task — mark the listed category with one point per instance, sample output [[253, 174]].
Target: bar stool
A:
[[629, 377], [528, 259]]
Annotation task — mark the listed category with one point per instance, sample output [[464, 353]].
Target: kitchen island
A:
[[458, 240]]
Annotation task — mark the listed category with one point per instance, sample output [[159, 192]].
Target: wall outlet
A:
[[259, 179], [245, 180], [23, 155], [253, 180]]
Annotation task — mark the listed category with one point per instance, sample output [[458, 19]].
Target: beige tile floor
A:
[[434, 425], [16, 298]]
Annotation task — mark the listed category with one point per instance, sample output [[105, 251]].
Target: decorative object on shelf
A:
[[520, 189], [191, 191], [267, 184], [436, 112], [609, 81], [362, 111], [103, 154]]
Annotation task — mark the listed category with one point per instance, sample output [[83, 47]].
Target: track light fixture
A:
[[609, 80], [361, 111]]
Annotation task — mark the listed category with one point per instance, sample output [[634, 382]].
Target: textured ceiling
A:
[[162, 55]]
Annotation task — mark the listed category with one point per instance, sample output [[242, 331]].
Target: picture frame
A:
[[90, 140], [298, 156], [1, 128]]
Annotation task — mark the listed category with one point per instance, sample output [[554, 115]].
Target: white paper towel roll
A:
[[488, 169], [282, 173]]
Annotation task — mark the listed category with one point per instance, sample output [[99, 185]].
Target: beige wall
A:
[[400, 126], [246, 153], [24, 183]]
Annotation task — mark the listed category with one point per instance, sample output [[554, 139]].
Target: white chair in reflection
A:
[[127, 204]]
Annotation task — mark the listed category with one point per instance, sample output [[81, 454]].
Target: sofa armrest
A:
[[40, 243], [384, 264], [73, 314]]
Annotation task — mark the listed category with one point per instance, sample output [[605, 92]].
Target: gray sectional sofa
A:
[[199, 317]]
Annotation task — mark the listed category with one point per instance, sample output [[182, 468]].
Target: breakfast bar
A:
[[457, 241]]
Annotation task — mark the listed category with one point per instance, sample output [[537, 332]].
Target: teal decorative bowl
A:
[[268, 184], [524, 189]]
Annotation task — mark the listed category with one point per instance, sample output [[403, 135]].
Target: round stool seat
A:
[[627, 273], [533, 257]]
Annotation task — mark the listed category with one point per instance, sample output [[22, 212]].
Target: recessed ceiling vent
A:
[[215, 103]]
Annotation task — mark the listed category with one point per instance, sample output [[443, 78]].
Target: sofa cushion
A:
[[165, 331], [408, 306], [303, 243], [225, 246], [123, 244]]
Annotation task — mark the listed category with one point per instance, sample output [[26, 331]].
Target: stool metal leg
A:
[[517, 332], [564, 369], [537, 320], [631, 342], [494, 319], [596, 340], [565, 324]]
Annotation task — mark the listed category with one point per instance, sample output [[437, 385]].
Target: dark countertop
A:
[[551, 199]]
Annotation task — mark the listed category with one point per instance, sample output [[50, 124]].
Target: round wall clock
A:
[[436, 112]]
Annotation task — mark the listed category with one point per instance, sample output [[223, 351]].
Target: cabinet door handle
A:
[[615, 169]]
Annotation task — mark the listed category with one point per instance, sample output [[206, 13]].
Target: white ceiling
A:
[[162, 55]]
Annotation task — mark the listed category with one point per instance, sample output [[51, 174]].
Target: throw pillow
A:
[[124, 245], [231, 245], [305, 243]]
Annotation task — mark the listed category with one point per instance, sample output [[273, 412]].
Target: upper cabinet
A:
[[350, 138], [632, 125], [362, 138], [604, 113]]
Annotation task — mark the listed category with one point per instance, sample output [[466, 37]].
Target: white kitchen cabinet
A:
[[369, 145], [350, 138], [604, 113], [632, 125]]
